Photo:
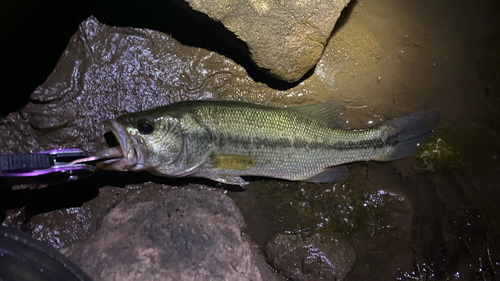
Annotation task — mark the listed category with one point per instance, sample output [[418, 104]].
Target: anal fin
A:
[[331, 174]]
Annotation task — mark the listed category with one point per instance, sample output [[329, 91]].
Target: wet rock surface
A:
[[106, 72], [311, 256], [186, 235], [285, 37]]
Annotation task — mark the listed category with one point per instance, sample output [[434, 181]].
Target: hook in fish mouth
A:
[[128, 155]]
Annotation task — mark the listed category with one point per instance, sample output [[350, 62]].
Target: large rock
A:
[[285, 37], [188, 235], [105, 72]]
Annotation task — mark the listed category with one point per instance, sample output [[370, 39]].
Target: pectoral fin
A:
[[330, 175]]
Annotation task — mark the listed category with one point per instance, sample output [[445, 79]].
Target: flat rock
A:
[[188, 235], [315, 255], [285, 37]]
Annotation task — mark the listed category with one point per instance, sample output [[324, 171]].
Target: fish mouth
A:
[[128, 155]]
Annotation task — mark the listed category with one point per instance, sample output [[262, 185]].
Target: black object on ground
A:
[[24, 258]]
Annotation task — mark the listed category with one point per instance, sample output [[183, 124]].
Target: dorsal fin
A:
[[332, 113]]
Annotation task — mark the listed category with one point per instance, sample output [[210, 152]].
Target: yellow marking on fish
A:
[[234, 162]]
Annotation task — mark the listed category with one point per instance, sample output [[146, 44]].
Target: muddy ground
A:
[[431, 217]]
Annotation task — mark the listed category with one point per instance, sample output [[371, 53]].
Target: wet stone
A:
[[187, 235], [315, 255]]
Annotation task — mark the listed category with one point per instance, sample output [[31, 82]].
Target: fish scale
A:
[[281, 128]]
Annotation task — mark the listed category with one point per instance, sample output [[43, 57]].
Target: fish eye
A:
[[145, 127]]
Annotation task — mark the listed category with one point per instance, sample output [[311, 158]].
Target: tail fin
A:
[[407, 131]]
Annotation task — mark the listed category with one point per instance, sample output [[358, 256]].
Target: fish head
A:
[[146, 141]]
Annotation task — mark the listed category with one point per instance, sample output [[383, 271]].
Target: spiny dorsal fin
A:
[[332, 113]]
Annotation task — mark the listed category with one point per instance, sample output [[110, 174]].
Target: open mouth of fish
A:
[[127, 155]]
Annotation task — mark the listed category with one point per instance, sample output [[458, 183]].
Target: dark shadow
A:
[[344, 16], [35, 35], [74, 194]]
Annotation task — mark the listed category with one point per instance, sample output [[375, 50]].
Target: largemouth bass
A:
[[224, 140]]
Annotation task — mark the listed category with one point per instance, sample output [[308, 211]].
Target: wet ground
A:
[[429, 217]]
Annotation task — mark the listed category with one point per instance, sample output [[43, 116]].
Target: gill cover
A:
[[197, 145]]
